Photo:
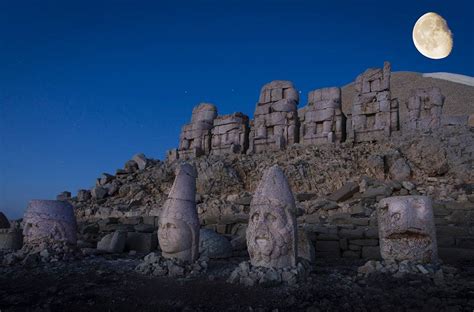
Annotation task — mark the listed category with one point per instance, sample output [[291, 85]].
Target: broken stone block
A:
[[10, 239], [99, 192], [141, 161], [4, 223], [345, 192], [83, 195], [213, 245], [113, 242], [400, 170]]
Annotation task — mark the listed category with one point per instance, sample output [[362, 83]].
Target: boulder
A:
[[213, 245], [99, 192], [4, 223], [400, 170], [83, 195], [64, 195], [113, 242], [140, 160]]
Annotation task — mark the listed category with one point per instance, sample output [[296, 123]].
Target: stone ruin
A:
[[407, 229], [50, 222], [424, 109], [374, 113], [322, 120], [230, 134], [276, 123], [178, 232], [195, 139]]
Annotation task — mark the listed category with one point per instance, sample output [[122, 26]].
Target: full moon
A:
[[432, 37]]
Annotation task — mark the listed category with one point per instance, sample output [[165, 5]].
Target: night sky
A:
[[84, 85]]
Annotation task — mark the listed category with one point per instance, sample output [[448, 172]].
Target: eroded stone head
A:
[[271, 233], [406, 229], [49, 221], [178, 232]]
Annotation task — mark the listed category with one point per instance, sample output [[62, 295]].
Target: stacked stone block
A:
[[276, 123], [424, 109], [322, 120], [195, 139], [230, 134], [374, 113]]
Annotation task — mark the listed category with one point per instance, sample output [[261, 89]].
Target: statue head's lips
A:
[[178, 233], [271, 234]]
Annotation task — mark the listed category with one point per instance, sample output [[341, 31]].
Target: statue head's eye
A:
[[255, 217], [396, 216], [170, 226], [271, 217]]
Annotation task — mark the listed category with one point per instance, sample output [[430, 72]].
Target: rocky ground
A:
[[110, 283]]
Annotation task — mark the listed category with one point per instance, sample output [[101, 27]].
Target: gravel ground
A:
[[111, 284]]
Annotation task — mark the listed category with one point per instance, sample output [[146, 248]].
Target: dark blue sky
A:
[[84, 85]]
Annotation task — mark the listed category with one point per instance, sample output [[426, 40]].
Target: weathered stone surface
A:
[[141, 242], [322, 120], [345, 192], [271, 233], [178, 232], [49, 221], [305, 246], [113, 242], [374, 113], [83, 195], [214, 245], [230, 134], [99, 192], [406, 229], [64, 195], [276, 123], [141, 161], [195, 139], [424, 109], [400, 170]]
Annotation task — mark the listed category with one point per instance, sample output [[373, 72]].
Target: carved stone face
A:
[[406, 229], [271, 233], [174, 236]]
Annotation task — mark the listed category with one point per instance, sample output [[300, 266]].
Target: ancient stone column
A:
[[49, 221], [374, 113], [424, 106], [271, 233], [322, 120], [230, 134], [195, 139], [406, 229], [276, 123], [178, 232]]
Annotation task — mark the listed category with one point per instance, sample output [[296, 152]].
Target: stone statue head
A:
[[271, 233], [406, 229], [49, 220], [178, 232]]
